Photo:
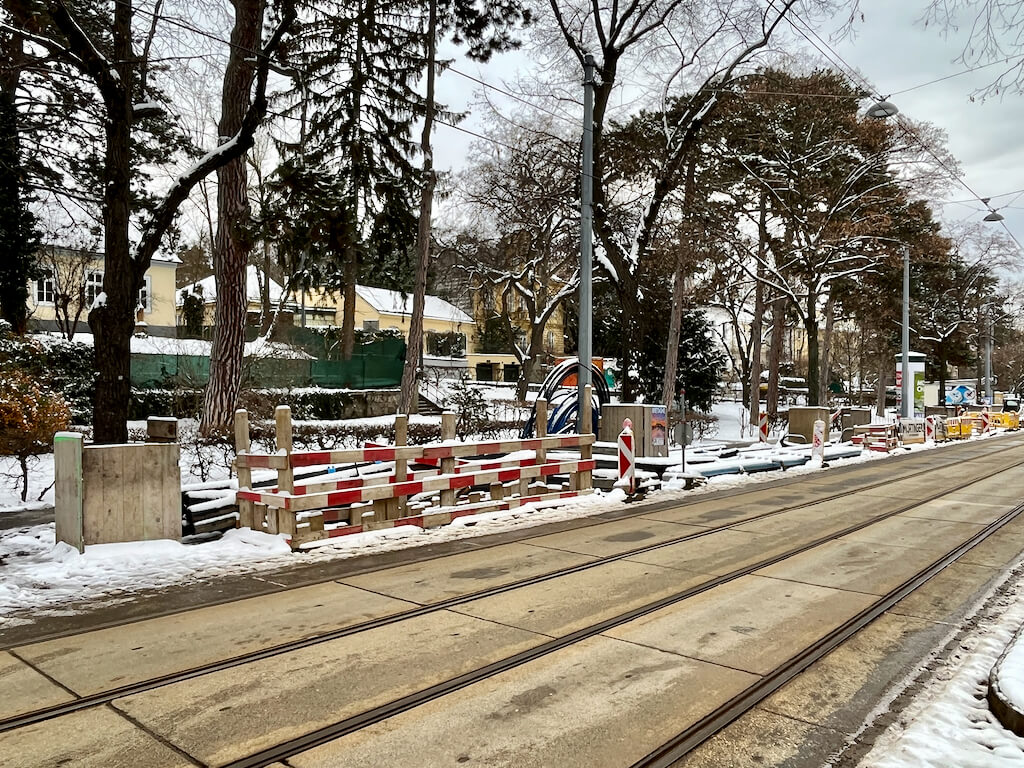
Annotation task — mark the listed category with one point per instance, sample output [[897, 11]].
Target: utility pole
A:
[[988, 354], [907, 410], [584, 349]]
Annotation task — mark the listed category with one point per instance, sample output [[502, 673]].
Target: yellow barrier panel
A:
[[1006, 420]]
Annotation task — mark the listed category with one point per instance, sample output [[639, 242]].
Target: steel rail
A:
[[596, 521], [362, 720], [105, 697], [671, 752]]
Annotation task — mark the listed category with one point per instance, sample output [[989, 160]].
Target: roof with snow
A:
[[252, 287], [394, 303]]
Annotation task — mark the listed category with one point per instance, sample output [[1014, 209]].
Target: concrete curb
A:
[[1007, 712]]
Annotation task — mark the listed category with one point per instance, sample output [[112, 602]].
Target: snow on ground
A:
[[948, 724]]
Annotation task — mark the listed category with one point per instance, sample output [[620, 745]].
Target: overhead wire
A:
[[837, 60]]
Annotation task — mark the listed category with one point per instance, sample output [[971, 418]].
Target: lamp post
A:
[[907, 409], [584, 347], [988, 355]]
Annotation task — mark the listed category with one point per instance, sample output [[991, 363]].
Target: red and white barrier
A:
[[986, 420], [366, 493], [627, 459], [929, 429], [762, 427]]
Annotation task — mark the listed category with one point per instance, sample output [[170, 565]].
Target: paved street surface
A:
[[607, 699]]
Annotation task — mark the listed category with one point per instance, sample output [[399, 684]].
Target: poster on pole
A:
[[659, 425]]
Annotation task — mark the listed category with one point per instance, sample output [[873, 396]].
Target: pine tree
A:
[[18, 236]]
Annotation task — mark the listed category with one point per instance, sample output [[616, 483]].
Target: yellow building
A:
[[488, 303], [448, 331], [72, 279]]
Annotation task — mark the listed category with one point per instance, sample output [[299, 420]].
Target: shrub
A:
[[59, 365], [29, 417]]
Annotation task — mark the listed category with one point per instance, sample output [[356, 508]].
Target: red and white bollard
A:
[[627, 462], [929, 429], [986, 420], [818, 442], [762, 427]]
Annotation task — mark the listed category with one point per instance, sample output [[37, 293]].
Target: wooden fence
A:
[[428, 485]]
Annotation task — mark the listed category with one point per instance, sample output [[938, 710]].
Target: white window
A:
[[44, 288], [93, 288], [146, 295]]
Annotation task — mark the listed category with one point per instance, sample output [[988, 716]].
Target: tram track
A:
[[597, 521], [429, 693]]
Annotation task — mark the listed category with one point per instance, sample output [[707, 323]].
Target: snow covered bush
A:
[[57, 364], [29, 417]]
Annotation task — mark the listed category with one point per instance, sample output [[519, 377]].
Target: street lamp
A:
[[882, 109], [907, 406]]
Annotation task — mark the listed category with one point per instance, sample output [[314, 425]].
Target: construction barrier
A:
[[453, 487], [912, 431], [762, 427], [880, 437], [958, 428], [627, 461], [1006, 419]]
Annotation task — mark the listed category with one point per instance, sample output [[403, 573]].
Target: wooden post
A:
[[67, 462], [401, 465], [160, 429], [245, 508], [285, 477], [582, 480], [448, 464]]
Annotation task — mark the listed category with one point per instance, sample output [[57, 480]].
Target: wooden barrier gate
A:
[[403, 497]]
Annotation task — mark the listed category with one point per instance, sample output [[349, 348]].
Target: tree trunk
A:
[[668, 385], [349, 276], [880, 386], [826, 350], [754, 394], [942, 376], [411, 371], [775, 355], [231, 247], [113, 321], [813, 360]]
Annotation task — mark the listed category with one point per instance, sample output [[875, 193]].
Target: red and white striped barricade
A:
[[929, 429], [627, 459], [881, 438], [986, 420], [762, 427]]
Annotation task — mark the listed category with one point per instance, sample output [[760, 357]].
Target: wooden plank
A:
[[399, 508], [448, 464], [67, 459], [245, 512], [283, 434], [137, 463], [104, 510], [166, 524]]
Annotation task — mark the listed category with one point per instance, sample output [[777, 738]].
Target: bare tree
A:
[[711, 43], [104, 48], [68, 271]]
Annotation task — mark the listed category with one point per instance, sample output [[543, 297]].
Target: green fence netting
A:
[[374, 365]]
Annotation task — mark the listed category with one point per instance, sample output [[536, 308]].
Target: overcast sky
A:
[[893, 51]]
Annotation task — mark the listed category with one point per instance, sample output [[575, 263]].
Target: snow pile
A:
[[949, 723], [39, 572]]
